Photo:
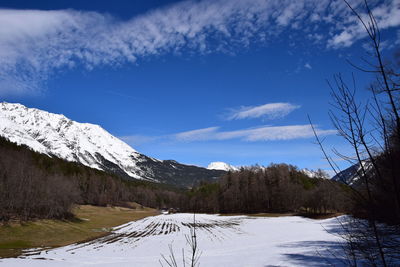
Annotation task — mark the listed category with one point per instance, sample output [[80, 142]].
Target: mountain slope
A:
[[351, 175], [89, 144]]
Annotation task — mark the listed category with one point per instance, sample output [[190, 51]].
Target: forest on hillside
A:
[[34, 185], [276, 188]]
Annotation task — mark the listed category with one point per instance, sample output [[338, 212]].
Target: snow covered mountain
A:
[[218, 165], [91, 145], [351, 175], [316, 174]]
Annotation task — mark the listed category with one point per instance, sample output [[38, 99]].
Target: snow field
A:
[[222, 240]]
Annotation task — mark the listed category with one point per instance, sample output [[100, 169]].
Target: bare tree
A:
[[372, 129]]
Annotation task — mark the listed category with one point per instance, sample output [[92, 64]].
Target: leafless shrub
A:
[[193, 260]]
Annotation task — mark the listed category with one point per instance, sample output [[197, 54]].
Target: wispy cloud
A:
[[256, 134], [262, 133], [269, 111], [387, 15], [196, 135], [34, 44]]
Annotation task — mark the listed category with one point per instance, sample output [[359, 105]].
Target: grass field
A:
[[90, 222]]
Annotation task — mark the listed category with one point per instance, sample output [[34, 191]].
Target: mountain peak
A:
[[219, 165], [315, 174], [56, 135], [91, 145]]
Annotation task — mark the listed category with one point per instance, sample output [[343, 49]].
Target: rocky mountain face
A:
[[57, 136]]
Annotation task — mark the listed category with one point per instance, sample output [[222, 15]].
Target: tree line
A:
[[34, 185], [276, 188]]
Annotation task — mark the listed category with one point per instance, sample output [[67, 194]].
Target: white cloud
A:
[[263, 133], [196, 135], [387, 15], [270, 111], [35, 44], [307, 66], [256, 134]]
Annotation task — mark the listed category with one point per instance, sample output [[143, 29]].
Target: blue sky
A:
[[193, 81]]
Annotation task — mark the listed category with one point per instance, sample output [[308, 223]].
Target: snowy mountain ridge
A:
[[315, 174], [352, 175], [218, 165], [90, 145]]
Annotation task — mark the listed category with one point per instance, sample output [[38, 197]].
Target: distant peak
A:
[[219, 165], [315, 174]]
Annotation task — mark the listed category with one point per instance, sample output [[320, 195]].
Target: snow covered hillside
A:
[[218, 165], [91, 145], [222, 240], [351, 175], [315, 174]]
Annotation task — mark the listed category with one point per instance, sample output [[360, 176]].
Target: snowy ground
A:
[[223, 241]]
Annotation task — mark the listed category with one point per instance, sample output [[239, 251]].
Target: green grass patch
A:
[[15, 244]]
